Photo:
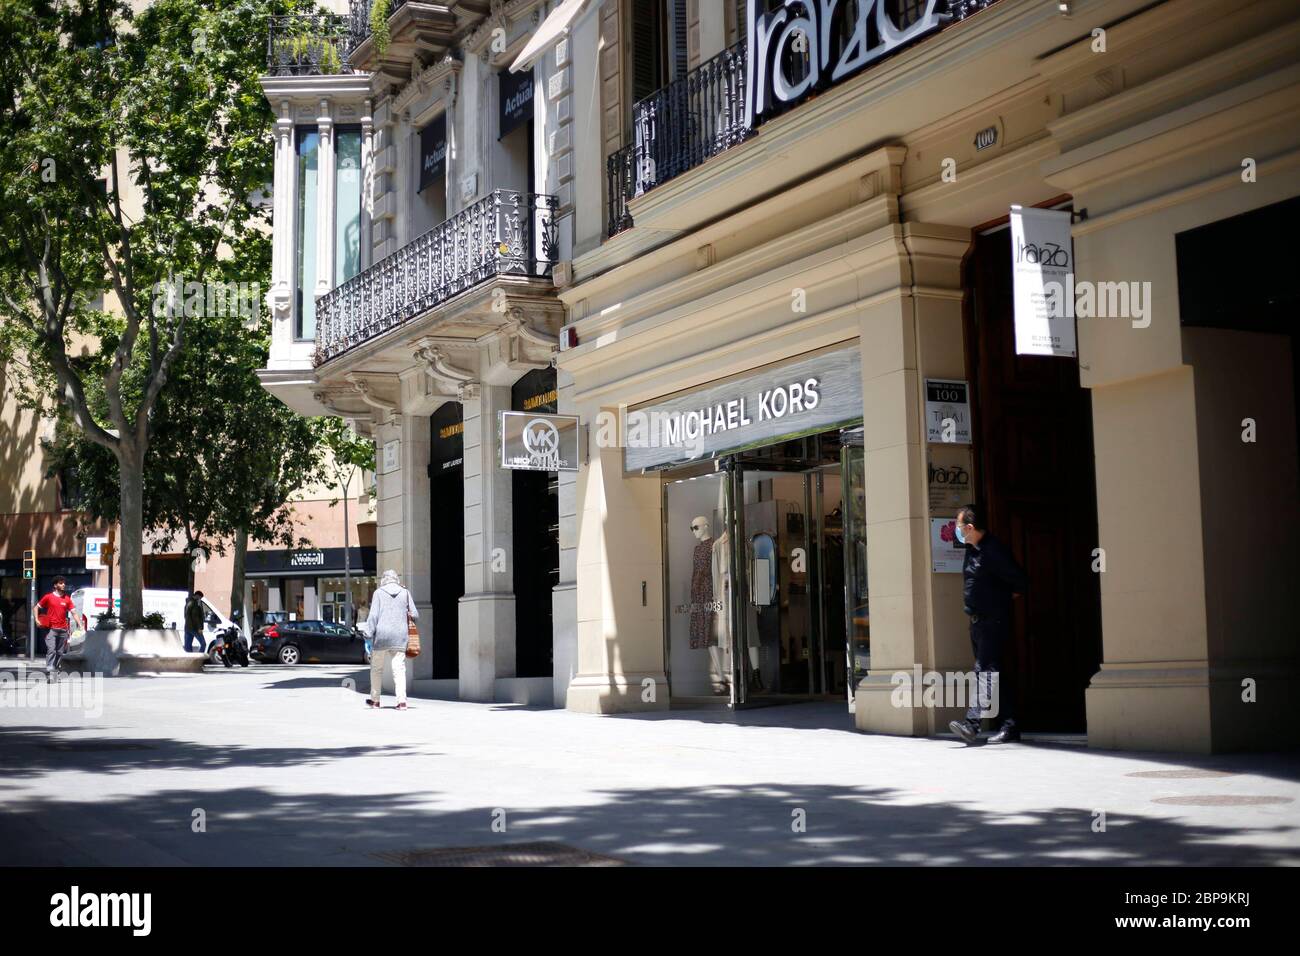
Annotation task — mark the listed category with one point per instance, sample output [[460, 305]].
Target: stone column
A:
[[390, 538], [620, 664], [325, 203], [367, 186], [284, 234], [416, 533], [487, 609], [564, 600], [911, 329]]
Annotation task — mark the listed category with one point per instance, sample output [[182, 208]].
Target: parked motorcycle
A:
[[232, 646]]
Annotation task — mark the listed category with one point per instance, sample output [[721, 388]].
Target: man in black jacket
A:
[[990, 575]]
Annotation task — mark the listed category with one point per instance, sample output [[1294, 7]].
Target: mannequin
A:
[[702, 626]]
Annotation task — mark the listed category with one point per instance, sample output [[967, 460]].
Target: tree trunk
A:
[[237, 579], [130, 467]]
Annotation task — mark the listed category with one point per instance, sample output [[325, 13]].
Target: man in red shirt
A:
[[53, 611]]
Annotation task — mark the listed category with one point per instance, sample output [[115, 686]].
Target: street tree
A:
[[133, 146], [225, 460]]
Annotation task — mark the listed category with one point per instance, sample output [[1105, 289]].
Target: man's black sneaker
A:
[[1009, 734], [965, 730]]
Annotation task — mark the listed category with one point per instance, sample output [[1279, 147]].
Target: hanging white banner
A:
[[1042, 257]]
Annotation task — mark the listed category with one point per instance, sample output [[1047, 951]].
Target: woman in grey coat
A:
[[390, 606]]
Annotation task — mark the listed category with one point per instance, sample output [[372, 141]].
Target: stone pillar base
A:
[[616, 693], [1189, 707], [485, 620], [876, 710]]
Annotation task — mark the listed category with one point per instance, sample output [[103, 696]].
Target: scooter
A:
[[232, 646]]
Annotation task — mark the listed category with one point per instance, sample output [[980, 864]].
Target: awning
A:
[[548, 34]]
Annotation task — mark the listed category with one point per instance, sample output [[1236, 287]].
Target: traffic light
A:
[[29, 565]]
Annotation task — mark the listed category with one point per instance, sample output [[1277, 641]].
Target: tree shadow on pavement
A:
[[37, 750], [755, 824]]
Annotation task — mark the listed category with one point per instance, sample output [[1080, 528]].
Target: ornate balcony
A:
[[397, 37], [506, 233], [310, 45], [685, 123]]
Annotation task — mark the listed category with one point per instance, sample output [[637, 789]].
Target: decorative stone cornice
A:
[[501, 15], [427, 79], [451, 379], [382, 411]]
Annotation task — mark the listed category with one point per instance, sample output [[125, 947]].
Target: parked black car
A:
[[309, 642]]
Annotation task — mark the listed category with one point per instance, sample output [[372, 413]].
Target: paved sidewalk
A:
[[288, 767]]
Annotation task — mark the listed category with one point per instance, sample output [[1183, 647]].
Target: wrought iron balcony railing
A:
[[310, 44], [360, 14], [506, 233], [692, 119]]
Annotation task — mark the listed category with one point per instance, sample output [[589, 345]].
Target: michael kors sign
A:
[[806, 35], [814, 392]]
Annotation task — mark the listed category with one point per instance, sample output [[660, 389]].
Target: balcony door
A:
[[516, 166], [430, 207]]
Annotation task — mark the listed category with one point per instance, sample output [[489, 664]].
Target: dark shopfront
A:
[[447, 536], [535, 524], [309, 584]]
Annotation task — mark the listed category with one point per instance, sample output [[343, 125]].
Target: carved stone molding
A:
[[450, 378], [443, 70], [382, 410]]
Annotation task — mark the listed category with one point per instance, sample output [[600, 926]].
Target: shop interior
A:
[[766, 573]]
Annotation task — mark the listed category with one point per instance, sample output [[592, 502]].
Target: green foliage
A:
[[226, 455], [154, 619], [132, 146], [379, 11], [307, 42]]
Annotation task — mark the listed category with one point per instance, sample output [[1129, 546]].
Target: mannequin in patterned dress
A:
[[703, 632]]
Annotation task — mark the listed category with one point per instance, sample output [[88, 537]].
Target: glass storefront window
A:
[[698, 551], [332, 595], [347, 204], [308, 144]]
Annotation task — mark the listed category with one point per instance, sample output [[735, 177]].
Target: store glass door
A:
[[774, 568], [854, 539]]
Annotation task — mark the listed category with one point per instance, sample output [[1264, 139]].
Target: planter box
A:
[[119, 653]]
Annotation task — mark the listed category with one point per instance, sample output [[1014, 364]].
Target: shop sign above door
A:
[[805, 35], [1042, 265], [539, 442], [815, 392]]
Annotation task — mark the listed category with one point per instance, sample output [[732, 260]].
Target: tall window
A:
[[308, 142], [347, 204]]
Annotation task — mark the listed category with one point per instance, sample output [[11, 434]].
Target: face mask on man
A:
[[960, 536]]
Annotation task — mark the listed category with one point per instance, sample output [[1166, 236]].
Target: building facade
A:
[[764, 252], [423, 195]]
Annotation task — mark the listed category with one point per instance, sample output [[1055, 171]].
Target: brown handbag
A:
[[412, 638]]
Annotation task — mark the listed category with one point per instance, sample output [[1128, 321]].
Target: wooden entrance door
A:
[[1035, 476]]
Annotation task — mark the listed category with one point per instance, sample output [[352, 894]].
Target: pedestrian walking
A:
[[53, 612], [194, 622], [990, 576], [391, 610]]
